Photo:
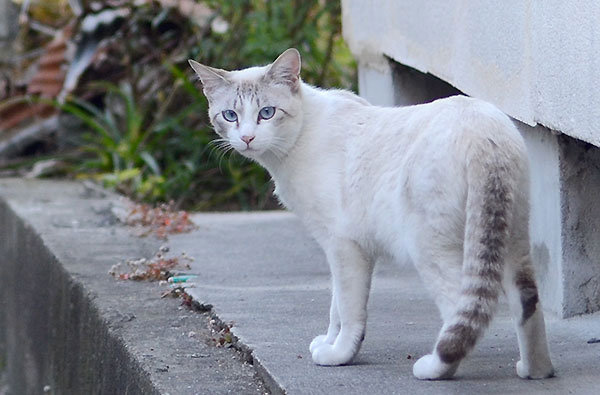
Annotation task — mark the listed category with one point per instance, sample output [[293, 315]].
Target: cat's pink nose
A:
[[247, 139]]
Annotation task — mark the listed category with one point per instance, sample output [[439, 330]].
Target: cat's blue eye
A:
[[266, 112], [230, 115]]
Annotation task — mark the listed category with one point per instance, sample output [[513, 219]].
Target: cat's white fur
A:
[[443, 184]]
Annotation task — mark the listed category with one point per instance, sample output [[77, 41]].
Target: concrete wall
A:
[[52, 334], [537, 61], [69, 328]]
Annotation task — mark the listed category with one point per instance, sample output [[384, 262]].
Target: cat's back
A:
[[456, 124], [467, 116], [340, 105], [428, 146], [415, 164], [388, 135], [452, 119]]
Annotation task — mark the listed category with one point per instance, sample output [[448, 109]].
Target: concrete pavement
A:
[[265, 274], [68, 327], [261, 272]]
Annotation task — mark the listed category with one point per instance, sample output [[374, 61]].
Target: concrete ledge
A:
[[67, 326], [54, 334], [536, 61]]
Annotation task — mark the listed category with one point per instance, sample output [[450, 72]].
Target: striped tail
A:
[[488, 215]]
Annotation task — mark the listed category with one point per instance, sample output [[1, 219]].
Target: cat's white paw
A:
[[544, 371], [317, 341], [328, 355], [430, 367]]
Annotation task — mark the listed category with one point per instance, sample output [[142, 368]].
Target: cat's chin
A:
[[251, 153]]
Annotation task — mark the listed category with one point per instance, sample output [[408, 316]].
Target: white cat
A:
[[443, 184]]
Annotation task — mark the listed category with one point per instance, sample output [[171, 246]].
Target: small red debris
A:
[[156, 268], [161, 220]]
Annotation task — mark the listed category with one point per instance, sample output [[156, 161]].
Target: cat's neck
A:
[[311, 136], [309, 172]]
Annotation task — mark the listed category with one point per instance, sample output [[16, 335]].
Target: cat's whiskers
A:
[[217, 145], [227, 150], [222, 147], [277, 148]]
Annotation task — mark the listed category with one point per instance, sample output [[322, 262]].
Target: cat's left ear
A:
[[211, 78], [286, 69]]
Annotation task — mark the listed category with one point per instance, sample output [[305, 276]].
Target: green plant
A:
[[148, 135], [120, 140], [261, 30]]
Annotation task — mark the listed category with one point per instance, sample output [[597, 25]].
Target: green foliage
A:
[[261, 30], [149, 135], [120, 143]]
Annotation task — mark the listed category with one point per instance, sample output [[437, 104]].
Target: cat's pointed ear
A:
[[211, 78], [286, 69]]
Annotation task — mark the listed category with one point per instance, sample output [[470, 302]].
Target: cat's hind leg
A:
[[445, 288], [489, 209], [460, 332], [522, 295]]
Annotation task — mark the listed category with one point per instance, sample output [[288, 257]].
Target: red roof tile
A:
[[47, 82]]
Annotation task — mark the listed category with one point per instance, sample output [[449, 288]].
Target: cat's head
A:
[[258, 111]]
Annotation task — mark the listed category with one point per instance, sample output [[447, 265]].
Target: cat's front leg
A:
[[334, 326], [351, 274]]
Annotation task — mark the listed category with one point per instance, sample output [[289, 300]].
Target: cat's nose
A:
[[247, 139]]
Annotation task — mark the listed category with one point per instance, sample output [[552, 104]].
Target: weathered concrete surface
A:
[[580, 195], [565, 217], [66, 324], [264, 273], [261, 272], [536, 60]]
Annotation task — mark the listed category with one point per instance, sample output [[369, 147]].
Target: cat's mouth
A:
[[250, 151]]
